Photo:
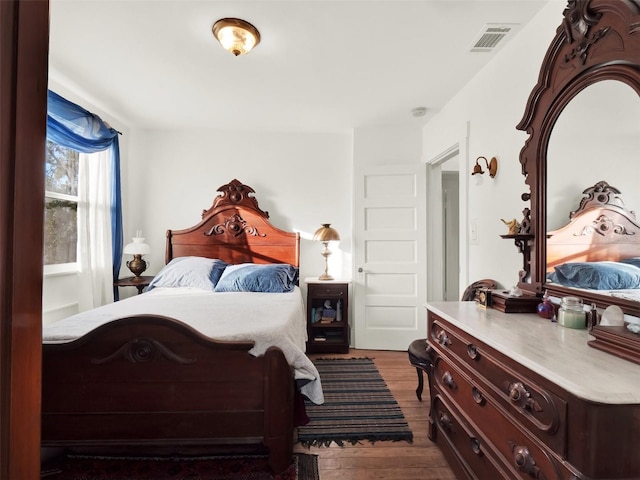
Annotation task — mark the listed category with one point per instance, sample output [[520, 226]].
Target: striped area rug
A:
[[358, 406]]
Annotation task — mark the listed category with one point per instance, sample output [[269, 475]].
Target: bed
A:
[[599, 249], [155, 373]]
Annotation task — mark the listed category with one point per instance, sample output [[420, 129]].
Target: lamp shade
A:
[[326, 233], [137, 246]]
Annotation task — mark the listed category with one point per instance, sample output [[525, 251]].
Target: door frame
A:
[[24, 50], [435, 220]]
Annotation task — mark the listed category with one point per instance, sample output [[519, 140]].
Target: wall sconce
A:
[[235, 35], [137, 248], [492, 167], [326, 234]]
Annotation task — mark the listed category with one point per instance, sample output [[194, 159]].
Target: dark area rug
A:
[[245, 467], [358, 406]]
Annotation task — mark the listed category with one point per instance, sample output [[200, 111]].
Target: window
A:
[[61, 205]]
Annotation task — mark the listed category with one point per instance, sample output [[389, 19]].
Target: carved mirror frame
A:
[[597, 40]]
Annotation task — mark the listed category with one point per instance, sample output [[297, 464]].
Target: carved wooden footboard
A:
[[149, 381]]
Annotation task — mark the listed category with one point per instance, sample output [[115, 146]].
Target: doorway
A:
[[451, 232], [446, 224]]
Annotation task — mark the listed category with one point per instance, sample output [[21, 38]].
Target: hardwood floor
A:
[[421, 459]]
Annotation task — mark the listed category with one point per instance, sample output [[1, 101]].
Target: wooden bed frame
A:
[[602, 228], [150, 383]]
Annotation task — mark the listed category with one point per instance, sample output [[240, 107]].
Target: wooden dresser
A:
[[514, 396]]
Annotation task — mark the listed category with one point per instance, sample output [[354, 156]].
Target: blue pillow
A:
[[597, 275], [635, 261], [196, 272], [253, 277]]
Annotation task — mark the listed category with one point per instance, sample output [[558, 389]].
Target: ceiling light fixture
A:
[[235, 35]]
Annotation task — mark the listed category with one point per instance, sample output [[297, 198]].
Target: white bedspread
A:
[[630, 294], [268, 319]]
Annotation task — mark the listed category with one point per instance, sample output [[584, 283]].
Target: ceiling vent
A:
[[492, 34]]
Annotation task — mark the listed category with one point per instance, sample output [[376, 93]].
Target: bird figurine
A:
[[514, 226]]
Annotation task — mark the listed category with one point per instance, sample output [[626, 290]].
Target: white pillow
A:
[[195, 272]]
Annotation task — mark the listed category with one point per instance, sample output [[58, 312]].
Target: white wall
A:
[[493, 104], [301, 179], [596, 137], [385, 146]]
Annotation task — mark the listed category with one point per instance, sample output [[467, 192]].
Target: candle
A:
[[571, 313]]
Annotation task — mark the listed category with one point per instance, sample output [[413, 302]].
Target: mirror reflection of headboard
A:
[[599, 248], [597, 40]]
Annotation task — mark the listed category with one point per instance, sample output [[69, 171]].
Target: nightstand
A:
[[327, 316], [140, 282]]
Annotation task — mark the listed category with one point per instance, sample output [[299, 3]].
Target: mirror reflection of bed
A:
[[599, 249], [584, 149]]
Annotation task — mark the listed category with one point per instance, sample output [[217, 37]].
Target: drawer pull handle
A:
[[524, 461], [445, 421], [477, 396], [442, 338], [522, 398], [475, 446], [447, 380], [472, 351]]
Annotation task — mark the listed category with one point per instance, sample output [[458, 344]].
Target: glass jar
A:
[[571, 313]]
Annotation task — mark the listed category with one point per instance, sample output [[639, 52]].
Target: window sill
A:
[[59, 270]]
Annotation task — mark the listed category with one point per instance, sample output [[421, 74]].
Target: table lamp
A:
[[137, 248], [326, 234]]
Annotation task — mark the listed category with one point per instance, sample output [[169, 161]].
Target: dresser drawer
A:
[[461, 445], [537, 409], [525, 457]]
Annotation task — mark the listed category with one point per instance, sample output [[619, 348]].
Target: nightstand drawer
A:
[[328, 291]]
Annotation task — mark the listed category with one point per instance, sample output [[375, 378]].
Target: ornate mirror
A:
[[587, 95]]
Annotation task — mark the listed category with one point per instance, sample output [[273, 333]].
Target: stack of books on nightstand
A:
[[328, 315]]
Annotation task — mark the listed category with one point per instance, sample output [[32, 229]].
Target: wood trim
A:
[[597, 40], [24, 37]]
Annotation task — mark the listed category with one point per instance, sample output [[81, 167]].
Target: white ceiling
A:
[[321, 66]]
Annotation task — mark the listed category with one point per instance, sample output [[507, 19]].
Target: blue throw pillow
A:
[[253, 277], [195, 272], [635, 261], [598, 275]]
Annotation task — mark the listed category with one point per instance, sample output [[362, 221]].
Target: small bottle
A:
[[546, 309], [592, 317], [339, 311]]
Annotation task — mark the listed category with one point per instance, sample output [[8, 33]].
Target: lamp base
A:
[[137, 265], [324, 276]]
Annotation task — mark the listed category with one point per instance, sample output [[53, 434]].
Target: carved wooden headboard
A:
[[236, 230], [601, 228]]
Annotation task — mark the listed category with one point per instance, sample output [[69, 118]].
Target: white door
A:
[[389, 259]]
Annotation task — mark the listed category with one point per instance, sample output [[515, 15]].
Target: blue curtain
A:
[[74, 127]]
